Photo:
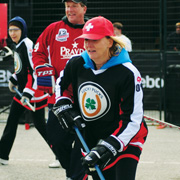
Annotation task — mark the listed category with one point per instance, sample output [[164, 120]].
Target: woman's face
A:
[[15, 33], [98, 50]]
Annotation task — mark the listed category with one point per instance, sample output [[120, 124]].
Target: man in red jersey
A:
[[53, 49]]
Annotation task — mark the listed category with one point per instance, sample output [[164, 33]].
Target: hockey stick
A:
[[87, 150], [4, 110], [20, 95], [162, 123]]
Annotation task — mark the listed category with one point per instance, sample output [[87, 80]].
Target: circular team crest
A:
[[94, 101], [17, 63]]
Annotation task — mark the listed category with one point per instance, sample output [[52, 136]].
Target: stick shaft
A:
[[87, 150]]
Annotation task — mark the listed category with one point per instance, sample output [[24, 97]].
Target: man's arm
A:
[[40, 52], [45, 72]]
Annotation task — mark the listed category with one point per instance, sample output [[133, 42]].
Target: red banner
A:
[[3, 21]]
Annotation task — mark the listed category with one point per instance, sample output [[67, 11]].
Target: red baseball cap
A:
[[97, 28]]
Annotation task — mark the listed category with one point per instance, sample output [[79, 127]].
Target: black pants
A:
[[125, 169], [10, 130], [63, 145]]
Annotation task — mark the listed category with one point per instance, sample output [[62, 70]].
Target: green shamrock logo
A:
[[90, 104]]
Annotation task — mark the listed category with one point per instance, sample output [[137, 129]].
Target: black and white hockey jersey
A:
[[110, 99], [24, 75]]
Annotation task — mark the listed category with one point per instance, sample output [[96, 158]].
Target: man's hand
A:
[[67, 116], [101, 154], [45, 78]]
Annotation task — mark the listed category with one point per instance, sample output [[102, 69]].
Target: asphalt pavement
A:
[[30, 156]]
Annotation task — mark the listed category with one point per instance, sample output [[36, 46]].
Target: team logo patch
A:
[[62, 35], [94, 101], [138, 87], [30, 52], [138, 79], [17, 63]]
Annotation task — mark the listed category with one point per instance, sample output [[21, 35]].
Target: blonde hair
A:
[[116, 47]]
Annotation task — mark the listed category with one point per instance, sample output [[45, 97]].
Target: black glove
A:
[[101, 154], [67, 116]]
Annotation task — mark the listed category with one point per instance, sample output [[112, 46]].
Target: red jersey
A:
[[56, 45]]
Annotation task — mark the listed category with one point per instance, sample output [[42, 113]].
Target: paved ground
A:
[[30, 157]]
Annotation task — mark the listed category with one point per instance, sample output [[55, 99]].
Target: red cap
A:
[[97, 28]]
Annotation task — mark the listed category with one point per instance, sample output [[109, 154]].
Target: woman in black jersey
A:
[[23, 78], [106, 102]]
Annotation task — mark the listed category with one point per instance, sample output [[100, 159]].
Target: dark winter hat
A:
[[16, 23], [77, 1], [21, 23]]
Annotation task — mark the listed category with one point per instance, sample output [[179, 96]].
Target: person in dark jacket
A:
[[173, 39], [24, 80]]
